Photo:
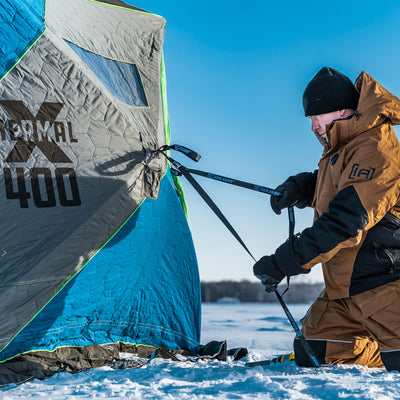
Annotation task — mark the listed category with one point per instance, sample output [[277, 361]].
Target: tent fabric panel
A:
[[143, 287], [83, 130], [81, 278]]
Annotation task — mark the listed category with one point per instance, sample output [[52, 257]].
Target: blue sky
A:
[[236, 72]]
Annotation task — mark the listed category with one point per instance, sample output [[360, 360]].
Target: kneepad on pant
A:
[[301, 357], [391, 360]]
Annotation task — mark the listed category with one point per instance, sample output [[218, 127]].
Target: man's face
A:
[[319, 122]]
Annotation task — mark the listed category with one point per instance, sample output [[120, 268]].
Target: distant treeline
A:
[[253, 292]]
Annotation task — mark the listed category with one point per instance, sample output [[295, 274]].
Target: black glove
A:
[[289, 190], [268, 272], [297, 190], [272, 269]]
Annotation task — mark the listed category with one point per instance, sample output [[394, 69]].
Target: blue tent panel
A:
[[22, 24]]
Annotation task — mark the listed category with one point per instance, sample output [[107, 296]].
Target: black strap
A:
[[246, 185], [291, 221], [291, 238], [185, 172], [236, 182]]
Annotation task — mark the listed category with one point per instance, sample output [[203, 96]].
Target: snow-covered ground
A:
[[263, 329]]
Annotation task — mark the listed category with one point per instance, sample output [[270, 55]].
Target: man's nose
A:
[[314, 125]]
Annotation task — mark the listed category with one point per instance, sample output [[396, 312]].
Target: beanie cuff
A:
[[329, 91]]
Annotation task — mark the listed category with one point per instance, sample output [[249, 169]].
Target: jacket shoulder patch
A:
[[358, 172]]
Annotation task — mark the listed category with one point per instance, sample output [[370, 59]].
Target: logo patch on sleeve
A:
[[357, 172]]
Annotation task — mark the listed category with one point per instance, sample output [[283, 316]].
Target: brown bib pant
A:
[[362, 329]]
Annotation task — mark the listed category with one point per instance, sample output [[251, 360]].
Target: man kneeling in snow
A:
[[356, 231]]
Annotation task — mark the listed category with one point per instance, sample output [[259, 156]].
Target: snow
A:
[[263, 329]]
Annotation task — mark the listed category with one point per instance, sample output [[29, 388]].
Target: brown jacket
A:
[[356, 231]]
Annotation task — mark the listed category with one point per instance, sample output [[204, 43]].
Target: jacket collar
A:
[[375, 107]]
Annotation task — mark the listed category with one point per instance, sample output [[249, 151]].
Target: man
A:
[[356, 231]]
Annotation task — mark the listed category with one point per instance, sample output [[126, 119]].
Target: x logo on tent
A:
[[23, 149]]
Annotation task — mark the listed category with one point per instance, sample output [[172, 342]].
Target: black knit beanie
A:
[[329, 91]]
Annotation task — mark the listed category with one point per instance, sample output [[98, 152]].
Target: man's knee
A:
[[301, 357], [391, 360]]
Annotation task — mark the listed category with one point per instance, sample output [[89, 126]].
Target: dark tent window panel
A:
[[120, 78]]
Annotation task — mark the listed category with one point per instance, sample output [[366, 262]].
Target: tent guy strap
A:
[[178, 170]]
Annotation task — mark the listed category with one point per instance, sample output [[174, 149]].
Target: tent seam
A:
[[29, 45]]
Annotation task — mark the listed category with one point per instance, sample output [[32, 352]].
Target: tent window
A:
[[120, 78]]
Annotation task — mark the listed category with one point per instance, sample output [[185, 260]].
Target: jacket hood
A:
[[375, 107]]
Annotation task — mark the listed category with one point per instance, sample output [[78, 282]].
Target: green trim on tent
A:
[[179, 187], [22, 56], [167, 131], [163, 86]]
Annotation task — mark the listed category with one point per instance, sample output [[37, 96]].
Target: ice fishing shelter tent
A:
[[95, 246]]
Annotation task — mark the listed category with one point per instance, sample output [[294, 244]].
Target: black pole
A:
[[298, 332]]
